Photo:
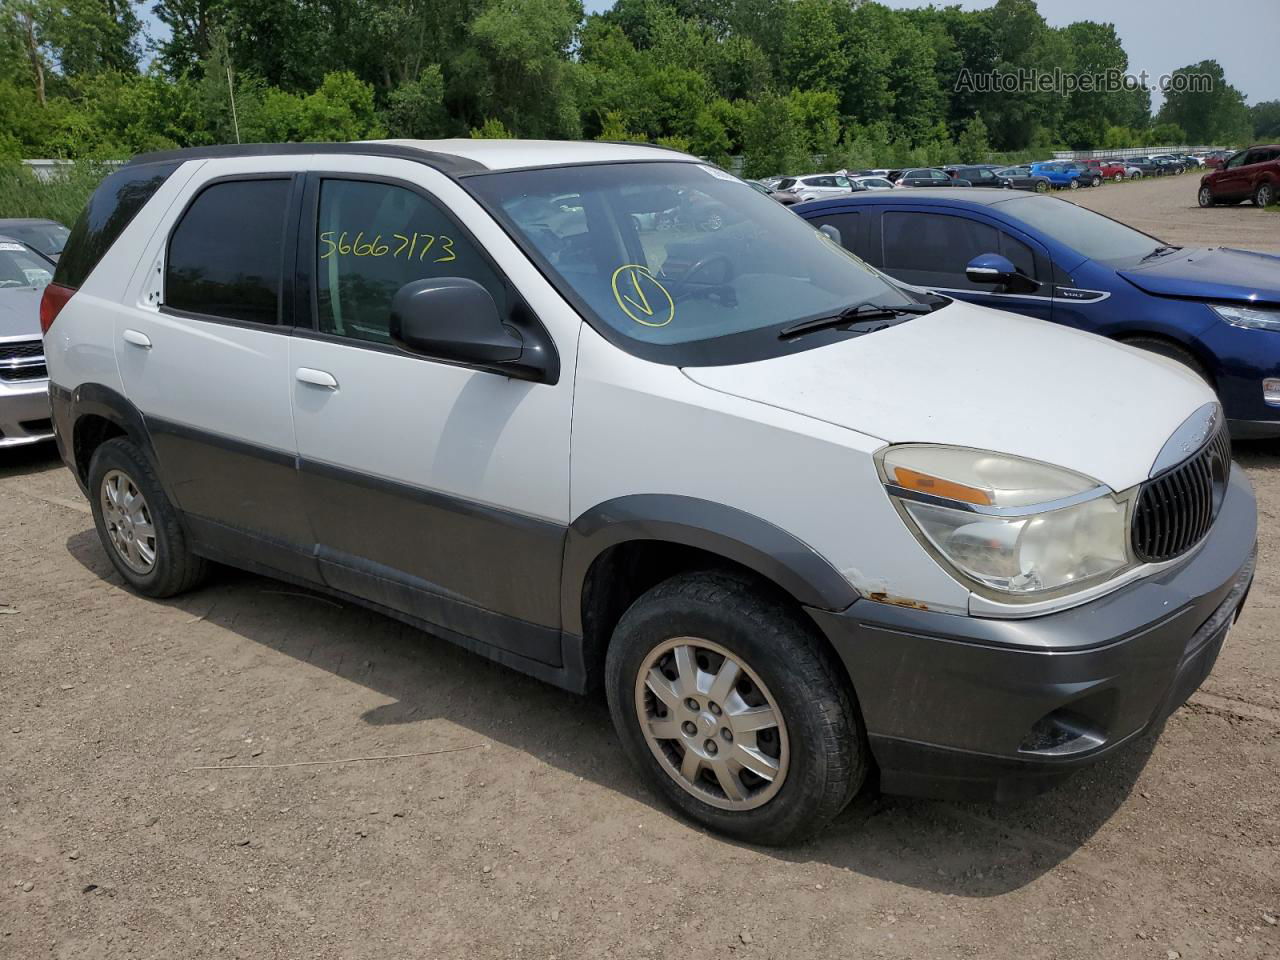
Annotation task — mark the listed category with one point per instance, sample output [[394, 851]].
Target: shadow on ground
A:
[[967, 850]]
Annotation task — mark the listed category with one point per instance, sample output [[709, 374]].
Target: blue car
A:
[[1214, 309], [1066, 175]]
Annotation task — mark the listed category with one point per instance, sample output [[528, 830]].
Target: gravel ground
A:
[[167, 790]]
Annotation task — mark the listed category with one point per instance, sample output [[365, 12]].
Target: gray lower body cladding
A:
[[966, 707]]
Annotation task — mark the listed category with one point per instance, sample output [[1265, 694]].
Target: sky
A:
[[1159, 37], [1162, 36]]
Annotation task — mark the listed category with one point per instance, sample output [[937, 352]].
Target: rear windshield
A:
[[111, 208]]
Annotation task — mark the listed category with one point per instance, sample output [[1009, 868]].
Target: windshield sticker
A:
[[719, 174], [641, 297], [15, 247], [419, 244]]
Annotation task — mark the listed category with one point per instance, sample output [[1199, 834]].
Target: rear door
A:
[[204, 355], [433, 489]]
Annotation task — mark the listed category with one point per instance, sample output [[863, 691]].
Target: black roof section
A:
[[444, 162]]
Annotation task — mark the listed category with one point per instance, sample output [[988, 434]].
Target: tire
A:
[[1137, 175], [1042, 186], [159, 563], [1205, 197], [1171, 350], [1096, 181], [819, 749], [1264, 196], [1075, 183], [1117, 177]]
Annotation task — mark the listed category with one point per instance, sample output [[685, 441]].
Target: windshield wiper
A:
[[1159, 251], [855, 315]]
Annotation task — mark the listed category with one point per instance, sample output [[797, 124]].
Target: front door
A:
[[434, 489], [933, 249]]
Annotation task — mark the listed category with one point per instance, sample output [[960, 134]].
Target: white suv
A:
[[800, 522]]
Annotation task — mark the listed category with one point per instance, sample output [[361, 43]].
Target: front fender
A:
[[688, 521]]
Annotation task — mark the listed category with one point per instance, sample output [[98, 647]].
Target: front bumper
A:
[[24, 412], [967, 707]]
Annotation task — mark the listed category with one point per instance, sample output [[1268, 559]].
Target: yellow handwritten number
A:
[[446, 244]]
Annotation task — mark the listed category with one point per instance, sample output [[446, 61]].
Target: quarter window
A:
[[373, 238], [226, 256], [933, 249]]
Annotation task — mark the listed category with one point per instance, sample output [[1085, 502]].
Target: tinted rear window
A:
[[227, 253], [111, 208]]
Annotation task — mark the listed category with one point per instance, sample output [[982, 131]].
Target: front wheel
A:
[[1075, 184], [732, 708], [1117, 177], [1096, 181], [1205, 197], [1042, 186]]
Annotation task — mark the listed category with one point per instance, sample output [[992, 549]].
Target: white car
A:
[[874, 183], [816, 186], [800, 522]]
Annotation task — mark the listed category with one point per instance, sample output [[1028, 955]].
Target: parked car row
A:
[[28, 251]]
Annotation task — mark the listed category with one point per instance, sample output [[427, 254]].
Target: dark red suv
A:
[[1252, 174]]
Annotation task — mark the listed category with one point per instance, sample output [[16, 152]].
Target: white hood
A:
[[974, 377]]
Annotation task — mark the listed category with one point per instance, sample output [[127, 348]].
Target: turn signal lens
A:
[[924, 483]]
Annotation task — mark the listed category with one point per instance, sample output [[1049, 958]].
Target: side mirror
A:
[[455, 319], [994, 268], [831, 233]]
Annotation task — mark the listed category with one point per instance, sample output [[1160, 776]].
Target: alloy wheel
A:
[[130, 527], [1264, 197], [1206, 197], [712, 724]]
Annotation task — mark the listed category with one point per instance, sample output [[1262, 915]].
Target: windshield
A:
[[48, 238], [19, 267], [681, 262], [1089, 234]]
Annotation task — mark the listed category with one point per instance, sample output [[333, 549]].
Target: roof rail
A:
[[444, 162]]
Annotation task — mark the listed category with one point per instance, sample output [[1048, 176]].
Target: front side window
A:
[[680, 262], [226, 255], [373, 238], [845, 226], [935, 249]]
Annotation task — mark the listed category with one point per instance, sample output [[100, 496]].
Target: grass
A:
[[23, 194]]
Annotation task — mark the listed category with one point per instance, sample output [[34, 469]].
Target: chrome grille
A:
[[22, 360], [1176, 509]]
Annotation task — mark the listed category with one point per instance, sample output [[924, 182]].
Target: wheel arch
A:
[[617, 550], [1187, 344], [94, 414]]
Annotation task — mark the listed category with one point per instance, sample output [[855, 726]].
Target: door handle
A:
[[317, 378], [137, 338]]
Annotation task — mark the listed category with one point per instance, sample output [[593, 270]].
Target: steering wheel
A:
[[723, 288]]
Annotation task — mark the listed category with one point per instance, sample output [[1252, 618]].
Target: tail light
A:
[[55, 298]]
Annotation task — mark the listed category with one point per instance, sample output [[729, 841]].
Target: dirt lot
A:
[[1165, 207], [534, 839]]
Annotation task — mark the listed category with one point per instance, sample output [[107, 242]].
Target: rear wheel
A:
[[1075, 183], [137, 525], [1096, 181], [733, 709], [1042, 186], [1118, 177], [1264, 196]]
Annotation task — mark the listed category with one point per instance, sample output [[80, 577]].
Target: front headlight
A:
[[1254, 318], [1019, 528]]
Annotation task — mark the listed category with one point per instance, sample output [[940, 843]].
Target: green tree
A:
[[416, 109], [1205, 106], [1265, 117], [972, 144], [491, 129]]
